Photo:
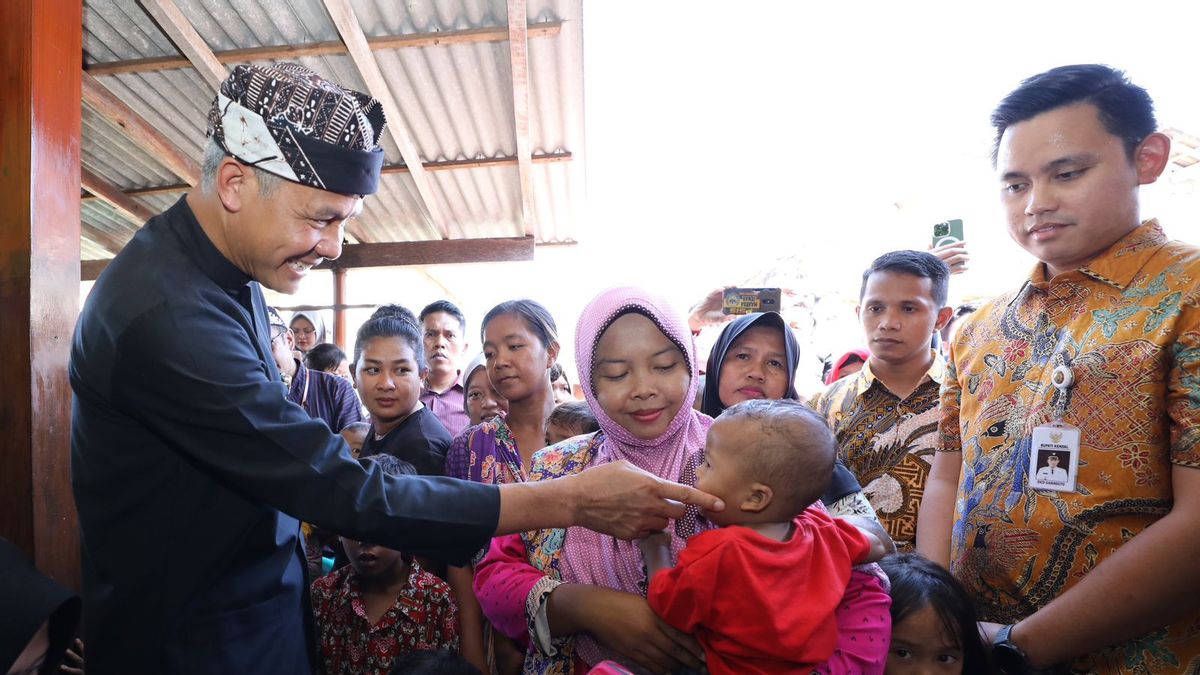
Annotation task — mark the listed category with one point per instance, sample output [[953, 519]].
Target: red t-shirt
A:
[[758, 605]]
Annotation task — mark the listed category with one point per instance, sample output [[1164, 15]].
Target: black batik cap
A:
[[289, 121]]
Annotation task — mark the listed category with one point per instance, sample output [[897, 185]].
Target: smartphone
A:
[[948, 232], [749, 300]]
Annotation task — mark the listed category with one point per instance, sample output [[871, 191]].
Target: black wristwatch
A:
[[1009, 657]]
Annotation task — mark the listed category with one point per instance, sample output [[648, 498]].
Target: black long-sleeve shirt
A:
[[190, 470]]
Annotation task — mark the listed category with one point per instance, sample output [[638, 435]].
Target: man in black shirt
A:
[[189, 467]]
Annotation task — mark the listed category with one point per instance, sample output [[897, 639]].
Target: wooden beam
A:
[[103, 239], [40, 111], [339, 300], [518, 52], [89, 270], [401, 253], [442, 38], [126, 205], [352, 34], [434, 252], [441, 165], [187, 40], [142, 133]]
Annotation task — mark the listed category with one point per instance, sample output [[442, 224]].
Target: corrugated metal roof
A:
[[455, 100]]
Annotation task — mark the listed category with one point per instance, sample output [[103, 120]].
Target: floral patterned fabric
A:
[[887, 443], [423, 617], [485, 453], [1128, 327]]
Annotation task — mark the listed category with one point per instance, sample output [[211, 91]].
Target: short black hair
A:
[[794, 451], [324, 357], [574, 415], [915, 263], [391, 326], [535, 316], [396, 311], [918, 583], [447, 307], [1125, 109]]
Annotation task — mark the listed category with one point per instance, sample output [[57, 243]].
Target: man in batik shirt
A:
[[885, 416], [1103, 341]]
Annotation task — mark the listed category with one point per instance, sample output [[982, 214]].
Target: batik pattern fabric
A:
[[1127, 325], [424, 617], [886, 442]]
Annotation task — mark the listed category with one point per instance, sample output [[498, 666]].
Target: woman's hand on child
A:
[[621, 500], [625, 623]]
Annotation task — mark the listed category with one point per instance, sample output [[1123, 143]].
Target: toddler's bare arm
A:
[[656, 551]]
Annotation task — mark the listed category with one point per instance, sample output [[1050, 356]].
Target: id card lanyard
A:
[[1054, 453]]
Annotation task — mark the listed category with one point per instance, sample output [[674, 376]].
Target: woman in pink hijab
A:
[[579, 596]]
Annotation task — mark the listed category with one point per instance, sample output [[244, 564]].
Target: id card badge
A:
[[1054, 457]]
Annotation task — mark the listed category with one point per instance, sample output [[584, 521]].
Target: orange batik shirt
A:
[[1128, 327]]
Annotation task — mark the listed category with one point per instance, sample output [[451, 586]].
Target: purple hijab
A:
[[598, 559]]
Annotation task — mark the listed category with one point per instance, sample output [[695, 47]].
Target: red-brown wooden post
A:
[[339, 310], [40, 108]]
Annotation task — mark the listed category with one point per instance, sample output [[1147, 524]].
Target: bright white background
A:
[[722, 137]]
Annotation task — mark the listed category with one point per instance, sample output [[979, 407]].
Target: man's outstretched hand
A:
[[626, 502]]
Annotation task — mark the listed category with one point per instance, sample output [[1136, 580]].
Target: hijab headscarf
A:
[[601, 560], [475, 364], [315, 319], [858, 356], [28, 599], [712, 405]]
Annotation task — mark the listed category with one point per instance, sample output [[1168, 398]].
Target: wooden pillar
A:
[[339, 311], [39, 276]]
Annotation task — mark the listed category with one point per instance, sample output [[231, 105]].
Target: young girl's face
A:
[[518, 364], [483, 401], [921, 644], [389, 381], [640, 377]]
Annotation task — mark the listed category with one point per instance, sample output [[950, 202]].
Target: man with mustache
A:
[[444, 328]]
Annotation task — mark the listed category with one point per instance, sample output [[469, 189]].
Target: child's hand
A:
[[656, 551]]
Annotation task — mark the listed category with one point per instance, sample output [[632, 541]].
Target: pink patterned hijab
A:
[[601, 560]]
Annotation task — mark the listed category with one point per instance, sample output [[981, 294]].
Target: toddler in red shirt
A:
[[759, 593]]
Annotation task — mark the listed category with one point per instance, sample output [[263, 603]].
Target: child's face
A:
[[483, 401], [556, 432], [640, 376], [355, 440], [754, 367], [722, 473], [517, 362], [373, 562], [389, 381], [921, 645]]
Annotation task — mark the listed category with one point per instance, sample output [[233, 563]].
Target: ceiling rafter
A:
[[348, 26], [177, 27], [440, 165], [142, 133], [443, 38], [107, 192], [518, 51]]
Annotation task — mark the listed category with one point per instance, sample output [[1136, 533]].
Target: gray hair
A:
[[213, 154]]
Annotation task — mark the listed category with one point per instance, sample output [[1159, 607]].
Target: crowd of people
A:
[[972, 492]]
